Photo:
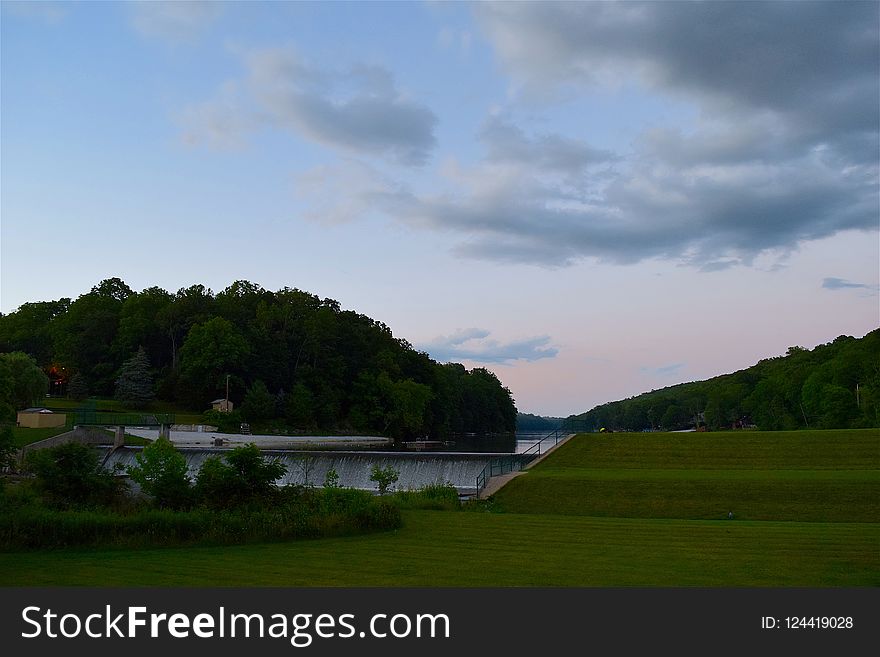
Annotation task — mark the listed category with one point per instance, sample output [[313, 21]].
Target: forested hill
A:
[[290, 356], [835, 385], [528, 423]]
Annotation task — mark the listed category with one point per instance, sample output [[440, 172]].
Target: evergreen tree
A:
[[258, 403], [77, 388], [135, 384]]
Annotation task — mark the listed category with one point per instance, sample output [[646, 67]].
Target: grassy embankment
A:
[[26, 435], [814, 476], [636, 509]]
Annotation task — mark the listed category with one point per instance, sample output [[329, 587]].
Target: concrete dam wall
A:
[[311, 467]]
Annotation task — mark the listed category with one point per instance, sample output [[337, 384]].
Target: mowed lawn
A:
[[615, 510], [813, 476], [459, 549]]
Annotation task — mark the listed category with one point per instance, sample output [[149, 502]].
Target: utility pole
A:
[[226, 405], [858, 402]]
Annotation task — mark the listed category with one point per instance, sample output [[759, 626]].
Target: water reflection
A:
[[497, 443]]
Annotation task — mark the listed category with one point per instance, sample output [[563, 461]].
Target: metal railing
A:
[[89, 417], [534, 451], [515, 462], [499, 466]]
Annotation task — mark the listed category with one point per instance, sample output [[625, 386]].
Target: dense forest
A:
[[289, 357], [835, 385], [528, 423]]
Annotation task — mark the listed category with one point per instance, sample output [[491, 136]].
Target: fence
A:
[[515, 462]]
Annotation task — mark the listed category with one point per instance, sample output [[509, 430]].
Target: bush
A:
[[70, 475], [225, 422], [435, 497], [241, 477], [301, 513], [162, 474], [384, 477], [331, 479], [8, 449]]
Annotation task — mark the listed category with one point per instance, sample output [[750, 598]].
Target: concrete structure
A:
[[40, 418], [222, 405], [82, 435]]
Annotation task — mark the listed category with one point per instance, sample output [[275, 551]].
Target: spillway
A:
[[311, 467]]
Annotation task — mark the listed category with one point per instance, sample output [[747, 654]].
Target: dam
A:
[[416, 470]]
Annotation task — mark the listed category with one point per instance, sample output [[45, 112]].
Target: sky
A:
[[593, 200]]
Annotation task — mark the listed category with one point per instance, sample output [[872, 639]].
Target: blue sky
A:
[[592, 200]]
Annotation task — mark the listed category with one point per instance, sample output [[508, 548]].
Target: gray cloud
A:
[[802, 74], [843, 284], [475, 345], [772, 55], [359, 111], [711, 218], [785, 149], [507, 142]]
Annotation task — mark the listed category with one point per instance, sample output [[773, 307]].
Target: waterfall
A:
[[415, 470]]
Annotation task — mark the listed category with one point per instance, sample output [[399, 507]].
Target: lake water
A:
[[507, 443], [495, 443]]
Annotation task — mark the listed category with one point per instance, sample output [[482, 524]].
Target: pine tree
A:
[[135, 384], [77, 388]]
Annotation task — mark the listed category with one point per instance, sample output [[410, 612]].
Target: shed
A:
[[222, 405], [40, 418]]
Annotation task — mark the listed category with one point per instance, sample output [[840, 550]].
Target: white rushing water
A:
[[353, 468]]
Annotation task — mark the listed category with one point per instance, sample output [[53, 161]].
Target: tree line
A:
[[835, 385], [288, 357]]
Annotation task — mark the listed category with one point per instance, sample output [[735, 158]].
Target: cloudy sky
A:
[[592, 200]]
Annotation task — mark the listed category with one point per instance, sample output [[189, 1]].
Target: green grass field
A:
[[440, 548], [818, 476], [619, 510]]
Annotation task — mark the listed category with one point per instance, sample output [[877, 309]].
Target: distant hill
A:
[[835, 385], [526, 422]]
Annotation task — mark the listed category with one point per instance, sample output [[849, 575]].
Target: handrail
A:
[[522, 458], [90, 417]]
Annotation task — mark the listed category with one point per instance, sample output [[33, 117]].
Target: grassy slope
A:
[[793, 475], [26, 435], [821, 476], [438, 548]]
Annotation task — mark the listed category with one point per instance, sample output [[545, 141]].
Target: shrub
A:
[[302, 513], [384, 477], [437, 497], [8, 448], [225, 422], [162, 474], [331, 479], [70, 475], [241, 477]]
